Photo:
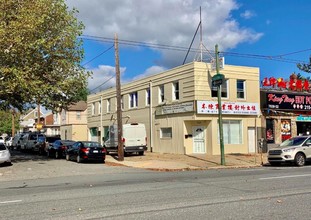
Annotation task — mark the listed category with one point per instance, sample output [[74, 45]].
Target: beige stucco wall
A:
[[194, 85], [74, 132], [72, 127]]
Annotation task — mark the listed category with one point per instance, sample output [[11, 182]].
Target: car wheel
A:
[[141, 153], [79, 159], [67, 157], [300, 159], [48, 153], [56, 155]]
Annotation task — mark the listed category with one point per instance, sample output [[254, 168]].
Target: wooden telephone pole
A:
[[119, 111]]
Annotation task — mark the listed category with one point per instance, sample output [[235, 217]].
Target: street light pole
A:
[[221, 139]]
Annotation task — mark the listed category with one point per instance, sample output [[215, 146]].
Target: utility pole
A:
[[13, 123], [218, 80], [119, 111], [39, 126]]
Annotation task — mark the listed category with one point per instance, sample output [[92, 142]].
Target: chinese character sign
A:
[[233, 108]]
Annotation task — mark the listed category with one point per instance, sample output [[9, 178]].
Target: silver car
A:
[[5, 156], [296, 149]]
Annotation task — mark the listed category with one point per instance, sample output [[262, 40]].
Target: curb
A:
[[109, 163]]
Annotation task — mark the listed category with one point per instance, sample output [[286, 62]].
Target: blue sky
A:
[[277, 30]]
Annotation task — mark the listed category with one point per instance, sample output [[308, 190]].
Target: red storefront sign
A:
[[288, 101]]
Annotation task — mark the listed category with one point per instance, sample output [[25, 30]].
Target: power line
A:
[[101, 84], [179, 48], [97, 56], [299, 51]]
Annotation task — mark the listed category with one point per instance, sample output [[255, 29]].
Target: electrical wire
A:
[[98, 55], [101, 84], [179, 48]]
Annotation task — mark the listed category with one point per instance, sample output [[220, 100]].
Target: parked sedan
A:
[[86, 151], [58, 148], [5, 156]]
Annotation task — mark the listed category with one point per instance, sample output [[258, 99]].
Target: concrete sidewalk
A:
[[176, 162]]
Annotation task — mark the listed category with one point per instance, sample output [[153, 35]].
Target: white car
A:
[[5, 156], [296, 149], [8, 142]]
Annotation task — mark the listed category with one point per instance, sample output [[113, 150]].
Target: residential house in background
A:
[[73, 122], [180, 110], [29, 118], [52, 124]]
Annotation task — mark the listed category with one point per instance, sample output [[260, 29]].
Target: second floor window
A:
[[122, 102], [223, 89], [133, 100], [240, 87], [93, 109], [108, 105], [161, 93], [148, 97], [78, 116], [175, 91], [99, 107]]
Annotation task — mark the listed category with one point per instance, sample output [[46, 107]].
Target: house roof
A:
[[79, 106]]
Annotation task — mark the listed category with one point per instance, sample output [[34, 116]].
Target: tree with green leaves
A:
[[6, 122], [306, 67], [40, 54]]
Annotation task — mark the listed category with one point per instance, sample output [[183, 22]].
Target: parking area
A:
[[32, 166]]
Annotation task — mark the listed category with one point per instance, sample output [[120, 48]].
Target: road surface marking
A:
[[12, 201], [283, 177]]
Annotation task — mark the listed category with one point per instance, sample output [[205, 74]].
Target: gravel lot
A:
[[31, 166]]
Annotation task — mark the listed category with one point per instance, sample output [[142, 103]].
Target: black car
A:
[[58, 148], [49, 140], [86, 151]]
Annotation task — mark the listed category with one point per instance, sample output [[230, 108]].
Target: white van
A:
[[134, 138]]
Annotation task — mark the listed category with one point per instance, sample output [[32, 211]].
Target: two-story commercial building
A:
[[180, 110]]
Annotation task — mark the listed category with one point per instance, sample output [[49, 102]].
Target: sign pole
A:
[[221, 139]]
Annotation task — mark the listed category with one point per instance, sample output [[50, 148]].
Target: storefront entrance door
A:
[[251, 140], [198, 139]]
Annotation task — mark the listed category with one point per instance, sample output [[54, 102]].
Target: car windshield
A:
[[68, 142], [92, 144], [41, 139], [293, 141], [52, 139]]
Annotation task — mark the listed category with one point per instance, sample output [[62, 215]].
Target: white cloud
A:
[[103, 77], [171, 22], [166, 22], [150, 71], [247, 14]]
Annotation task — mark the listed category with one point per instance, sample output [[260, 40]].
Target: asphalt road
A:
[[127, 193]]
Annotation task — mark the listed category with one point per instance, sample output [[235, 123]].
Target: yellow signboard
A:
[[39, 126]]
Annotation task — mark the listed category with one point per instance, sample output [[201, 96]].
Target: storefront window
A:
[[166, 133], [269, 131], [232, 131], [285, 129]]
